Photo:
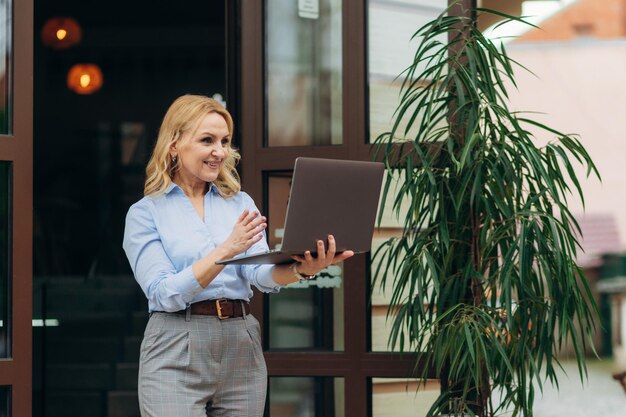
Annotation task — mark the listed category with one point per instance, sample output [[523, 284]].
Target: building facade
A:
[[302, 78]]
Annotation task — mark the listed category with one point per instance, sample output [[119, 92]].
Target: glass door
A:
[[303, 84], [315, 78]]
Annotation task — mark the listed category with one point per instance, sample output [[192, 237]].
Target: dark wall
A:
[[90, 151]]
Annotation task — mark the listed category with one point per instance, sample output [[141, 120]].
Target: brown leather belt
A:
[[222, 308]]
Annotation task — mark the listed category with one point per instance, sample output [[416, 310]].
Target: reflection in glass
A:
[[401, 397], [5, 255], [5, 66], [381, 318], [310, 314], [306, 397], [5, 401], [303, 51], [391, 51]]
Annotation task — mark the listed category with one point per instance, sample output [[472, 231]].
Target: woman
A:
[[201, 354]]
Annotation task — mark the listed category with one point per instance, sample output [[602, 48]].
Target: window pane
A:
[[5, 66], [309, 315], [5, 401], [303, 55], [5, 256], [306, 397], [391, 51], [390, 226], [382, 318], [395, 397]]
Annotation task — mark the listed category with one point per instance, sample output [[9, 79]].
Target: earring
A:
[[173, 159]]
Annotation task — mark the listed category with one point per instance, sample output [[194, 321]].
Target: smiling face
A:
[[201, 153]]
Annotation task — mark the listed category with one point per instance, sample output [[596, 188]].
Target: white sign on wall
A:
[[309, 9]]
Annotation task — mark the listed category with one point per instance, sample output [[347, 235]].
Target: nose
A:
[[219, 151]]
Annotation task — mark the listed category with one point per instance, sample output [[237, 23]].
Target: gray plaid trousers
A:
[[202, 367]]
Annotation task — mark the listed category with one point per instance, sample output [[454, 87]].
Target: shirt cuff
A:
[[265, 282], [187, 285]]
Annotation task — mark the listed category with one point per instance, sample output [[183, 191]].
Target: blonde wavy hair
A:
[[181, 118]]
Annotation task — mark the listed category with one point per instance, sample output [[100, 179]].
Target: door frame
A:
[[17, 148]]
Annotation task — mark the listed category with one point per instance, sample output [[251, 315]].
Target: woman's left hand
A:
[[310, 265]]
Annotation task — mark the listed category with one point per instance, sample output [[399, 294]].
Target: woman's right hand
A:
[[246, 232]]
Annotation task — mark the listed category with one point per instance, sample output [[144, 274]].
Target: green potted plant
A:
[[485, 284]]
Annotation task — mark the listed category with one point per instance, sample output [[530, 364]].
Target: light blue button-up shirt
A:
[[164, 236]]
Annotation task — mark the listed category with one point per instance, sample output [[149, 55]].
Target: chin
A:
[[210, 178]]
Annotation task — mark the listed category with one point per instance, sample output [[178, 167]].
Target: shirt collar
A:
[[212, 188], [171, 187]]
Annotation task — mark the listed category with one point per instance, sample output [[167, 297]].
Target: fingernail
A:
[[331, 237]]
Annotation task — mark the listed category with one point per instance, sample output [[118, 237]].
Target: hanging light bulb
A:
[[61, 32], [84, 78]]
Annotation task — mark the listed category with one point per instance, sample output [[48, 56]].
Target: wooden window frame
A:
[[17, 148]]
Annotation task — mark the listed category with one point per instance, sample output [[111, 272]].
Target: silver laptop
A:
[[327, 196]]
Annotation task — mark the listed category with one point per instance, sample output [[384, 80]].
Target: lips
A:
[[213, 164]]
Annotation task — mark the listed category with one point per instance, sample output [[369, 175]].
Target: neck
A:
[[190, 187]]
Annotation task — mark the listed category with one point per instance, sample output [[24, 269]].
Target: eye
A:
[[207, 139], [225, 142]]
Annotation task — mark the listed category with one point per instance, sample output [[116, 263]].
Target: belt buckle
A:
[[219, 309]]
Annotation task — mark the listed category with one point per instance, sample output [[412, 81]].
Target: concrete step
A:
[[70, 378], [123, 404], [75, 404], [86, 324], [132, 346], [126, 375], [138, 322], [83, 350], [77, 300]]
